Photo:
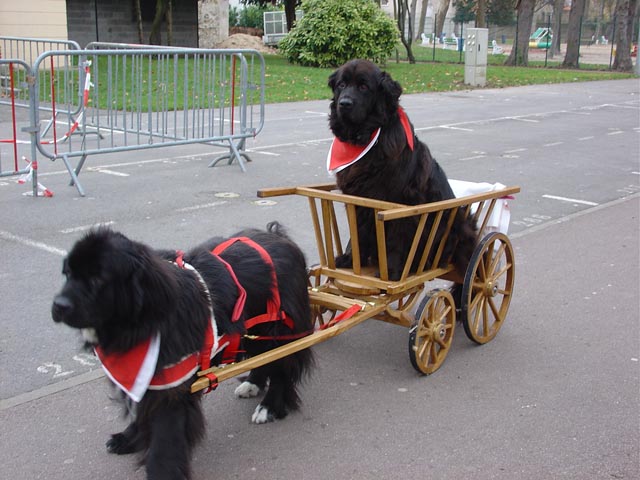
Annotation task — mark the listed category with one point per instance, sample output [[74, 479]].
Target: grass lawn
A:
[[289, 83]]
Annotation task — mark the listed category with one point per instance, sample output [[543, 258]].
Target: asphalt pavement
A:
[[556, 395]]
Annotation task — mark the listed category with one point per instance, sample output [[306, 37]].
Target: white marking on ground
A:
[[82, 228], [571, 200], [474, 157], [32, 243], [554, 144], [450, 127], [200, 207], [108, 172], [582, 139]]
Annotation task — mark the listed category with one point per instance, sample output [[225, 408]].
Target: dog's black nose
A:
[[345, 102], [61, 307]]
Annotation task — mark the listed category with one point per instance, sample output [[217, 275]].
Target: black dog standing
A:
[[164, 315], [376, 155]]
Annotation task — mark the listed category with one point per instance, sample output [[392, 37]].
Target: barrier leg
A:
[[73, 174], [234, 153]]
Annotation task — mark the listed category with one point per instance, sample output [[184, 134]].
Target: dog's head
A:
[[364, 98], [114, 288]]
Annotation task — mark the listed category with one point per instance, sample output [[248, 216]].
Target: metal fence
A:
[[17, 149], [122, 97]]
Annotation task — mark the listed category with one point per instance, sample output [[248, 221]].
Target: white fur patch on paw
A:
[[247, 390], [261, 415]]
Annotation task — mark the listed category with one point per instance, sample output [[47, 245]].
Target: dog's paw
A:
[[120, 445], [261, 415], [247, 390]]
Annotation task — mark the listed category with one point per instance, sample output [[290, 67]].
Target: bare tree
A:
[[571, 57], [558, 5], [423, 17], [625, 11], [481, 13], [520, 51], [138, 10], [405, 25], [155, 36], [441, 8]]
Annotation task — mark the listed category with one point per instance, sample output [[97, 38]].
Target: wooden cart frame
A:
[[342, 298]]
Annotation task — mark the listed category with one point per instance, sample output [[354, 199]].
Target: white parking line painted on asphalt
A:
[[553, 144], [474, 157], [109, 172], [82, 228], [582, 139], [516, 150], [200, 207], [451, 127], [31, 243], [572, 200]]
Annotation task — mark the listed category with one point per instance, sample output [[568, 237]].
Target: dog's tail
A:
[[277, 228]]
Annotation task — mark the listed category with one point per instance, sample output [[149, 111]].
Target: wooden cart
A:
[[342, 298]]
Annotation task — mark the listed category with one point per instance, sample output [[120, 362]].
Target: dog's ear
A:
[[390, 89], [153, 287], [333, 78]]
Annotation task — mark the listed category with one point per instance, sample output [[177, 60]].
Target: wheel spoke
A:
[[485, 317], [497, 256], [494, 309], [501, 272], [433, 353], [423, 348], [477, 313]]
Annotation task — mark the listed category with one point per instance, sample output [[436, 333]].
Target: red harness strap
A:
[[273, 313]]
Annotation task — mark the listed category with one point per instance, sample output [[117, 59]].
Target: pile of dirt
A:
[[242, 40]]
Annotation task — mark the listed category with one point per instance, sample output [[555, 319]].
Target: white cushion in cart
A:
[[499, 219]]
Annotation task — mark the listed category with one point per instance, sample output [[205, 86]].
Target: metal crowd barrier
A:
[[134, 98], [18, 143], [28, 50]]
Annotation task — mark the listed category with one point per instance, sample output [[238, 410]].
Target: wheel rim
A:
[[488, 288], [430, 339]]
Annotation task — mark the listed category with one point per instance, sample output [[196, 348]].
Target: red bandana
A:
[[343, 154]]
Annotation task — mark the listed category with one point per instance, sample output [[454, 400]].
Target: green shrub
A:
[[332, 32]]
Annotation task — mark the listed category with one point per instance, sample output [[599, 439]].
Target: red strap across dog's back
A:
[[273, 304]]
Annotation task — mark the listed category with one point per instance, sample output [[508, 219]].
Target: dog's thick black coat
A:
[[364, 99], [120, 292]]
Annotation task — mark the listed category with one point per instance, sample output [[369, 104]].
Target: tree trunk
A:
[[290, 13], [412, 16], [139, 21], [155, 36], [423, 17], [625, 10], [556, 26], [441, 8], [520, 52], [481, 14], [169, 18], [571, 58], [405, 25]]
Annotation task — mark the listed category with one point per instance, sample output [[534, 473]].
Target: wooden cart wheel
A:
[[430, 338], [487, 288]]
